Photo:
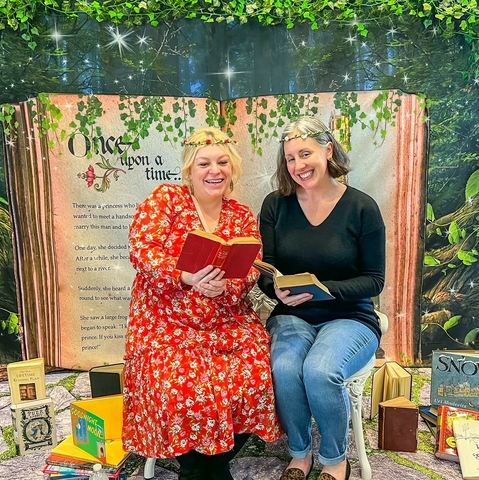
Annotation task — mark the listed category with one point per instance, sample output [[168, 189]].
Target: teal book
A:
[[455, 378]]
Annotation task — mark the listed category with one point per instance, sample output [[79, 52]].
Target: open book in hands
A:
[[235, 256], [297, 283]]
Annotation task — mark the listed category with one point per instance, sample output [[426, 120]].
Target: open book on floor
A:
[[235, 256], [391, 380], [297, 283]]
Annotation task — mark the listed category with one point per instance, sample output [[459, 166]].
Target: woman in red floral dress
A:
[[197, 367]]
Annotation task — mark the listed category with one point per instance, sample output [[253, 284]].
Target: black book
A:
[[106, 380]]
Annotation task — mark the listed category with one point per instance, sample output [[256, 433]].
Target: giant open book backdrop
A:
[[77, 166]]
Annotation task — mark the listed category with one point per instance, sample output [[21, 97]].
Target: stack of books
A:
[[67, 461], [33, 415], [96, 438], [457, 439], [455, 402], [428, 414]]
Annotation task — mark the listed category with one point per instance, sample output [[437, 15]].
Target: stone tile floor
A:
[[257, 461]]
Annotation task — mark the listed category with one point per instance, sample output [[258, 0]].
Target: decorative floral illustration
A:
[[90, 176]]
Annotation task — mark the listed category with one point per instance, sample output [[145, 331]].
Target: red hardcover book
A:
[[445, 441], [235, 256]]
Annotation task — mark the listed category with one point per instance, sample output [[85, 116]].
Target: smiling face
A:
[[307, 161], [211, 172]]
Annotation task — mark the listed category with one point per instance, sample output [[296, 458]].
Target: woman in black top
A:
[[314, 223]]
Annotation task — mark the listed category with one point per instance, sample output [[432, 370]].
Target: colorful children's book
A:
[[445, 440], [97, 425], [67, 454], [60, 472]]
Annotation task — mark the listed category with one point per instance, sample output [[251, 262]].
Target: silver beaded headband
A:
[[304, 136], [209, 141]]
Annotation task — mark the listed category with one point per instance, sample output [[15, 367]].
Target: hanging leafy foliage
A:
[[446, 17]]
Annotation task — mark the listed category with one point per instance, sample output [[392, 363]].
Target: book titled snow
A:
[[455, 378]]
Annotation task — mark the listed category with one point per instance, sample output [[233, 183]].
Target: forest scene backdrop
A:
[[228, 50]]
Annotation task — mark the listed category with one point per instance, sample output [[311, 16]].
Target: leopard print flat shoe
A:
[[295, 474], [328, 476]]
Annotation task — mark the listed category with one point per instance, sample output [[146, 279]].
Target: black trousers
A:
[[197, 466]]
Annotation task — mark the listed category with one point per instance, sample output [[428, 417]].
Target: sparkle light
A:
[[142, 40], [350, 39], [392, 31], [119, 40], [56, 36]]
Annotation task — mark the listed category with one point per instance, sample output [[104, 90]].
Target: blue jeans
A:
[[309, 365]]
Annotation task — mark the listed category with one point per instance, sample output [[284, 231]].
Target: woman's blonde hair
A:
[[338, 164], [203, 137]]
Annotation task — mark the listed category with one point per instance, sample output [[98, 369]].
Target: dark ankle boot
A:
[[193, 466], [218, 466], [192, 475], [225, 474]]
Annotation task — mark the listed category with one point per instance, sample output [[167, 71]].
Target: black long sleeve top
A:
[[346, 252]]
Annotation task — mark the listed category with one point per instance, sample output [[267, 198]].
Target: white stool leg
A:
[[149, 469], [355, 390]]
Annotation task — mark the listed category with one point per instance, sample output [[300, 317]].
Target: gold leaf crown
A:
[[304, 136], [209, 141]]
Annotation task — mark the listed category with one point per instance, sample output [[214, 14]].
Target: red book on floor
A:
[[445, 441], [235, 256]]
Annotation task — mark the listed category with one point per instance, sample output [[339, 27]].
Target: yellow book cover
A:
[[26, 380], [67, 452], [97, 425]]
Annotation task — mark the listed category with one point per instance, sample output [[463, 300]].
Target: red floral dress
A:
[[197, 369]]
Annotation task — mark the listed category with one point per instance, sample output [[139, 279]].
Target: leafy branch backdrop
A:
[[227, 50]]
